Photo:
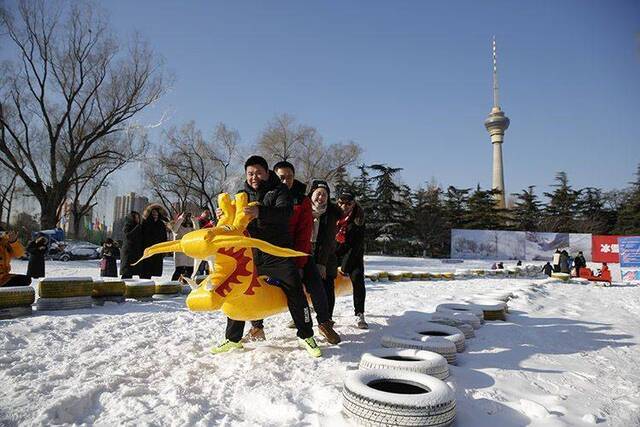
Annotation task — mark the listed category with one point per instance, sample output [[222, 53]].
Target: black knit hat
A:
[[347, 196], [256, 160], [320, 183]]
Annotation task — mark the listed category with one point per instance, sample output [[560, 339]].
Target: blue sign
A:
[[630, 258], [629, 251]]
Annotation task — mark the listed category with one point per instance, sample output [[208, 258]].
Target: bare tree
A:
[[302, 145], [8, 188], [70, 93], [191, 169]]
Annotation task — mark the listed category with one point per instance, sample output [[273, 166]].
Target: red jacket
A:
[[301, 222]]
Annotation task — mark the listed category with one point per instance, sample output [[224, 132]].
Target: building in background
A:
[[67, 221], [122, 206]]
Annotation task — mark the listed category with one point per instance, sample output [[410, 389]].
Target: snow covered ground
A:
[[567, 355]]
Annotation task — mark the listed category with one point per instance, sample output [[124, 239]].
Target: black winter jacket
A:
[[325, 247], [35, 269], [109, 257], [276, 207], [132, 248], [153, 232], [351, 253]]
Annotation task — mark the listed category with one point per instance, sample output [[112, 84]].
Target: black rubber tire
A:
[[169, 288], [405, 359], [387, 397], [71, 303], [143, 288], [13, 312], [108, 288]]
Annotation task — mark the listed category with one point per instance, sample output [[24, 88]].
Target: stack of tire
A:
[[15, 301], [140, 289], [167, 290], [399, 387], [108, 290], [442, 339], [64, 293], [491, 309]]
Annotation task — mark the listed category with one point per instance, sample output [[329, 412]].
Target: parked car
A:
[[76, 252]]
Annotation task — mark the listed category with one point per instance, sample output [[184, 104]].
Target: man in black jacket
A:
[[271, 224], [579, 262]]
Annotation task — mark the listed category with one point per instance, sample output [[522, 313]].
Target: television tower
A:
[[496, 123]]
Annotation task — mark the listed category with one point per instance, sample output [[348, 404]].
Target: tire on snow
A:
[[386, 397], [439, 345], [16, 296], [71, 303], [65, 287], [464, 308], [461, 316], [428, 330], [140, 288], [465, 328], [492, 309], [420, 361]]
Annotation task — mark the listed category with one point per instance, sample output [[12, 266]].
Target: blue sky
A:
[[410, 81]]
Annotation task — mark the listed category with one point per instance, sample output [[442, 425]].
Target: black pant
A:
[[359, 291], [18, 280], [315, 288], [184, 271], [285, 272], [203, 268], [330, 292]]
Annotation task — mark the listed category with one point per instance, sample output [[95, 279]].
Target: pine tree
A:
[[526, 210], [629, 214], [341, 181], [455, 206], [561, 210], [592, 217], [483, 213], [387, 214], [361, 186], [428, 222]]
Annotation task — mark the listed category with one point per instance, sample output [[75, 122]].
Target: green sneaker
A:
[[226, 346], [311, 346]]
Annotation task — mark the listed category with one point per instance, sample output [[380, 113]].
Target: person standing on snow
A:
[[132, 248], [37, 249], [564, 262], [556, 261], [10, 248], [579, 262], [184, 264], [271, 223], [300, 228], [350, 251], [323, 238], [154, 230], [108, 263]]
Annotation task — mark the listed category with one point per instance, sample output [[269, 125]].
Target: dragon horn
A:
[[160, 248], [248, 242]]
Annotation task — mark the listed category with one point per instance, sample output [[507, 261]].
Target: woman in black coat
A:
[[350, 251], [37, 249], [154, 230], [108, 265], [131, 246]]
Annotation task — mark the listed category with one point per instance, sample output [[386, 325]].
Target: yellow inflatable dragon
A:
[[234, 286]]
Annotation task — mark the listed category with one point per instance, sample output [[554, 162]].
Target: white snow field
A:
[[566, 356]]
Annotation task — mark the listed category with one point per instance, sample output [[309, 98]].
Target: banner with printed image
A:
[[630, 259]]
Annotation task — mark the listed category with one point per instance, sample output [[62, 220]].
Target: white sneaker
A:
[[360, 322]]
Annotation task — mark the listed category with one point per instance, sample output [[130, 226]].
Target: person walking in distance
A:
[[37, 249], [271, 223], [350, 251]]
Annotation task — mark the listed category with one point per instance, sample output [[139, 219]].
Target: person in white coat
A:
[[181, 226]]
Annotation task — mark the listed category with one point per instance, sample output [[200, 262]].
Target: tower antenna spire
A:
[[496, 104]]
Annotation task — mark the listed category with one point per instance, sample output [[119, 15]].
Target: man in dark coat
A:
[[350, 251], [108, 264], [300, 229], [547, 269], [271, 224], [37, 250], [579, 262], [154, 230], [132, 248]]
